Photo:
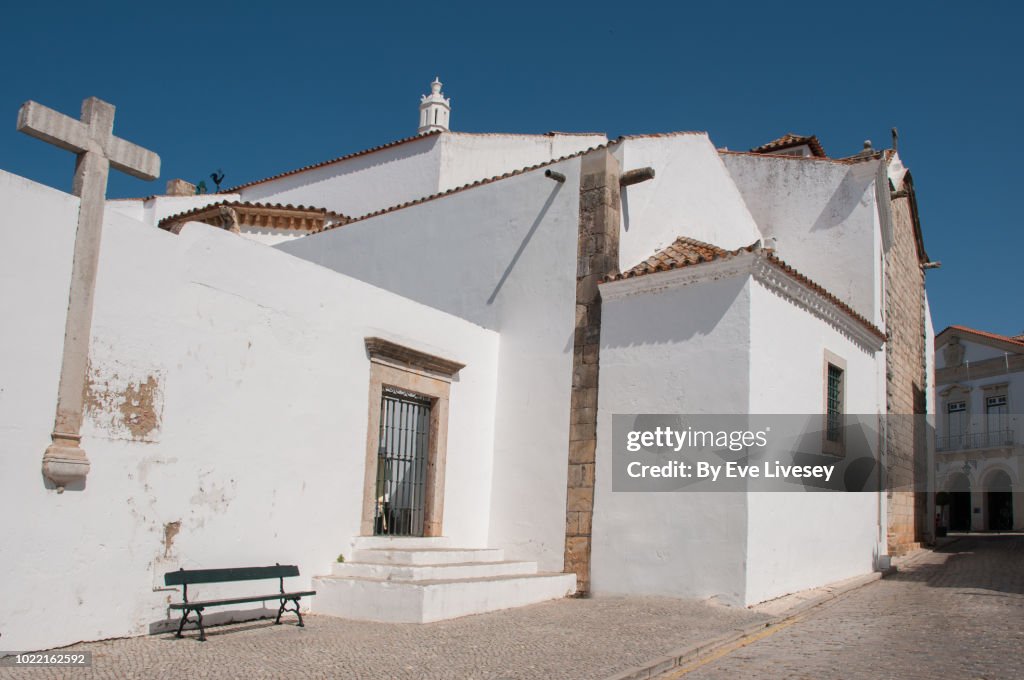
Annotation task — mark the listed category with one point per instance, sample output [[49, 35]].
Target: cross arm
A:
[[53, 127], [133, 159]]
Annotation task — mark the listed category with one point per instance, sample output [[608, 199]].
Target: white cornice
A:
[[675, 278], [782, 283]]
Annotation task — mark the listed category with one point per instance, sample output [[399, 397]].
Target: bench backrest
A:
[[187, 576]]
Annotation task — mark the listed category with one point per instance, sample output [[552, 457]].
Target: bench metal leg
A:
[[181, 624], [284, 608], [198, 611]]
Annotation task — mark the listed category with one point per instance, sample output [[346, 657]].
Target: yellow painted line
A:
[[729, 649]]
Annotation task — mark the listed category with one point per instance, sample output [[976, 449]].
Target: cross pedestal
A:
[[92, 139]]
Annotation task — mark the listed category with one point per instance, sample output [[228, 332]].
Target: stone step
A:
[[388, 542], [432, 572], [370, 599], [433, 556]]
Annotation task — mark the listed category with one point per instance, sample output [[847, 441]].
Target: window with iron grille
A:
[[956, 423], [402, 463], [834, 404], [997, 415]]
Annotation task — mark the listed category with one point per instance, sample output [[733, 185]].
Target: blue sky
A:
[[256, 88]]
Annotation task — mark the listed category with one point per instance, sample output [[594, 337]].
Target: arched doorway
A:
[[960, 503], [999, 501]]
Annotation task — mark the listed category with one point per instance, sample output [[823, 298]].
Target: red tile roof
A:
[[683, 252], [783, 157], [389, 145], [404, 140], [1012, 339], [472, 185], [688, 252], [306, 218], [513, 173], [791, 140]]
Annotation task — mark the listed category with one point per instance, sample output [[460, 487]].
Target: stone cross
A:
[[92, 139]]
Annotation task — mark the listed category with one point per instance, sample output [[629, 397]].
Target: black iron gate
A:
[[401, 463]]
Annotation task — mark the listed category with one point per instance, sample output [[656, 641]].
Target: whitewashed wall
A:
[[155, 208], [259, 382], [415, 169], [362, 184], [824, 216], [504, 256], [725, 345], [803, 540], [467, 157], [692, 194], [684, 350]]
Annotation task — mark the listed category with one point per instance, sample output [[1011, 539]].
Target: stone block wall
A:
[[906, 381], [597, 257]]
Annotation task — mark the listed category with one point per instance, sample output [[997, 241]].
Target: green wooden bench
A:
[[186, 577]]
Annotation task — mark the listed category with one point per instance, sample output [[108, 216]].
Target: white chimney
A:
[[435, 109]]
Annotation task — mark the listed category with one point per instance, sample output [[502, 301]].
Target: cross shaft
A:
[[92, 139]]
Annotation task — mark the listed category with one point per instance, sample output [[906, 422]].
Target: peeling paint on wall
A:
[[171, 530], [128, 408]]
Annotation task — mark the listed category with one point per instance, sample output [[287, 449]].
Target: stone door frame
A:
[[429, 376]]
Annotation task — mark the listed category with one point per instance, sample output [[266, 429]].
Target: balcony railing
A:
[[975, 440]]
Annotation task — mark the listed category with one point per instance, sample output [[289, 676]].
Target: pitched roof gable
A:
[[688, 252], [1004, 342], [791, 141], [272, 216]]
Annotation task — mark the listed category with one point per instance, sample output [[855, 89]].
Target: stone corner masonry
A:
[[597, 257]]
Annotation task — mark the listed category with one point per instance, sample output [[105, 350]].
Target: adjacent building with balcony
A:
[[979, 447]]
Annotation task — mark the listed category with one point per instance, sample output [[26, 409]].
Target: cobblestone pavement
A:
[[585, 639], [954, 613]]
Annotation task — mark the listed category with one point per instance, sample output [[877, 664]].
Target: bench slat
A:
[[241, 600], [189, 576]]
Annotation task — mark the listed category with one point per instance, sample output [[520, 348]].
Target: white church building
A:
[[397, 369]]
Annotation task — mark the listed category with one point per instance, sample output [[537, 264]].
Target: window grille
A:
[[834, 403], [402, 463]]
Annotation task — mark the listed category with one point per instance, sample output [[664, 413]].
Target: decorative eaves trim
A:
[[773, 277], [711, 270], [767, 270], [260, 215], [392, 352]]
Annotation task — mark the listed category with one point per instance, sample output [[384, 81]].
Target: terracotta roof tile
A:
[[512, 173], [654, 135], [821, 290], [472, 185], [395, 143], [683, 252], [1012, 339], [688, 252], [273, 215], [806, 159], [790, 140], [389, 145]]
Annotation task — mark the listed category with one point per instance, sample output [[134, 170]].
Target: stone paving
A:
[[571, 639], [954, 613]]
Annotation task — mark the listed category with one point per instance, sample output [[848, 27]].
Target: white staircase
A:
[[422, 580]]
